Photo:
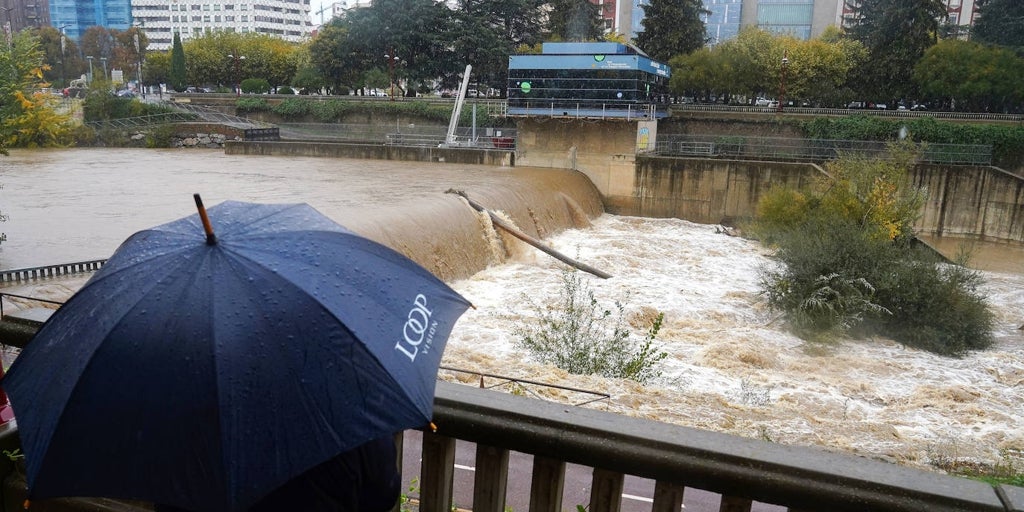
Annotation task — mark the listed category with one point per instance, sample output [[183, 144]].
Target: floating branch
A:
[[499, 222]]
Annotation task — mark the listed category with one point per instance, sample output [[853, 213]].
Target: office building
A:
[[161, 19], [76, 16], [21, 14]]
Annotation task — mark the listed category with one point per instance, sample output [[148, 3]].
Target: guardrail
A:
[[908, 114], [813, 150], [24, 274]]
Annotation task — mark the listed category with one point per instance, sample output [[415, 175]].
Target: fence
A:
[[811, 111], [814, 150], [400, 135], [24, 274]]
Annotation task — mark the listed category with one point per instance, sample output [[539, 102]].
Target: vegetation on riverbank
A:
[[849, 264], [1007, 141], [335, 109]]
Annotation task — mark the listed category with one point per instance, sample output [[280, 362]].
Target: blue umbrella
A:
[[205, 372]]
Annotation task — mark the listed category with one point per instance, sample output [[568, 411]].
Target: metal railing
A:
[[676, 458], [527, 387], [4, 295], [812, 111], [405, 135], [143, 121], [813, 150], [582, 110], [61, 269]]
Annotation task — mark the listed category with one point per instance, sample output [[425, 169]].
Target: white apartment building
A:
[[160, 19]]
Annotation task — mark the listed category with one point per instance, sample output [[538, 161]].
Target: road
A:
[[636, 493]]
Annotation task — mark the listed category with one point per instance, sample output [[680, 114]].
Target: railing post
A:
[[491, 479], [437, 473], [668, 497], [547, 484], [606, 491], [735, 504]]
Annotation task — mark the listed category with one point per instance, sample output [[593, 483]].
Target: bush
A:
[[292, 108], [251, 105], [285, 90], [255, 86], [576, 336], [849, 265]]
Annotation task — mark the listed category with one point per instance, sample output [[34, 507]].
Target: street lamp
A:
[[89, 58], [7, 25], [63, 43], [103, 61], [138, 52], [237, 58], [782, 83], [392, 59]]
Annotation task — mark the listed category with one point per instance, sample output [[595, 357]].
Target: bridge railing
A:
[[742, 470], [676, 458], [902, 114]]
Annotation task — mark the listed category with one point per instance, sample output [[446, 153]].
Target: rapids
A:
[[732, 366]]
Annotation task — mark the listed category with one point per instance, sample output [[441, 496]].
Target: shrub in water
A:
[[579, 336]]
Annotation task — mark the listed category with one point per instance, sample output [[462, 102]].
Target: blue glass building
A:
[[724, 21], [78, 15], [596, 80]]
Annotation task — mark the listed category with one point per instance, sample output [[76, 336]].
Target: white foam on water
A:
[[734, 368]]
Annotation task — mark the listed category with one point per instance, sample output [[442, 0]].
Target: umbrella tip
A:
[[211, 239]]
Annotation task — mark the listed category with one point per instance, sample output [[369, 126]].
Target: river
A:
[[732, 366]]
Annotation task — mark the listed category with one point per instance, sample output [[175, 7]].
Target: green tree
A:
[[332, 54], [99, 42], [486, 32], [575, 20], [1000, 22], [177, 77], [156, 69], [972, 76], [896, 34], [66, 62], [418, 32], [28, 118], [672, 27]]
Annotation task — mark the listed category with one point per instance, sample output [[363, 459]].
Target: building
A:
[[21, 14], [76, 16], [801, 18], [587, 80], [161, 19]]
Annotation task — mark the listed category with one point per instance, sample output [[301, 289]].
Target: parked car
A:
[[773, 104], [762, 102]]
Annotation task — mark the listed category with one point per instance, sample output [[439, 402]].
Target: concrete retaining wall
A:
[[978, 202], [373, 152], [705, 190]]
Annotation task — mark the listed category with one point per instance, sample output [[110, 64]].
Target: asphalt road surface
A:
[[636, 492]]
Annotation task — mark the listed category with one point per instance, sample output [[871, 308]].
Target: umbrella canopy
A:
[[205, 371]]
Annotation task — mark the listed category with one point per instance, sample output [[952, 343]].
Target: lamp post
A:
[[63, 43], [89, 58], [782, 83], [138, 52], [237, 58], [103, 61], [7, 25], [392, 59]]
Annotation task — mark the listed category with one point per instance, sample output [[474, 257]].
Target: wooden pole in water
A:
[[499, 222]]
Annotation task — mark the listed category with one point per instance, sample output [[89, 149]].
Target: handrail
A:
[[741, 469], [792, 110], [24, 274], [804, 479], [514, 384]]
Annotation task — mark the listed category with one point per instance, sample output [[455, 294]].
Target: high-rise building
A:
[[801, 18], [22, 14], [160, 19], [76, 16]]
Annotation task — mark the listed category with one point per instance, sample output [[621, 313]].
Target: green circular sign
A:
[[525, 87], [599, 58]]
